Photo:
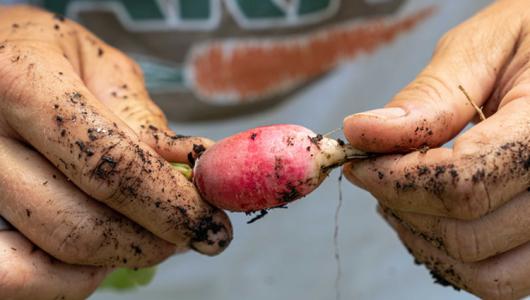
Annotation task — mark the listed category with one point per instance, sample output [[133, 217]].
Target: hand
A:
[[464, 212], [84, 158], [29, 273]]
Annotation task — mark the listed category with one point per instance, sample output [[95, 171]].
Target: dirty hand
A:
[[465, 211], [84, 164]]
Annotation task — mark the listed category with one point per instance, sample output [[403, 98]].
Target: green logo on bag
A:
[[149, 15]]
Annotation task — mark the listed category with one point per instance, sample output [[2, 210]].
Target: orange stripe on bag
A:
[[238, 70]]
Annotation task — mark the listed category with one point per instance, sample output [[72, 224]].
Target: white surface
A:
[[289, 254]]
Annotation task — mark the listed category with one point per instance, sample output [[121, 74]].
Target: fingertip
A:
[[173, 147], [213, 234], [372, 130], [400, 130]]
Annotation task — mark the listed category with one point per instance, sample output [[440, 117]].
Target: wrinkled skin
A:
[[83, 157], [464, 211]]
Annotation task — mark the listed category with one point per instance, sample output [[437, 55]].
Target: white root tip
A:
[[334, 153]]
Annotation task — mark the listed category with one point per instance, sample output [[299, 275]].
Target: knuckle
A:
[[77, 243], [20, 63], [468, 202], [446, 40], [110, 240], [465, 195], [483, 170], [136, 166], [124, 60], [116, 170], [427, 86], [11, 76], [128, 169]]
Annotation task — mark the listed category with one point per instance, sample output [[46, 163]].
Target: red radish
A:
[[267, 167]]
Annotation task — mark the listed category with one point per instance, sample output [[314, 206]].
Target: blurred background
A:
[[289, 254]]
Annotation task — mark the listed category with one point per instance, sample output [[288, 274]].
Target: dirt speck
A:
[[80, 144], [105, 167], [441, 280], [478, 176], [198, 149], [290, 194], [316, 139], [136, 249]]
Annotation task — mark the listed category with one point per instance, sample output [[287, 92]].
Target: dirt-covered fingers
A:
[[488, 166], [69, 225], [98, 152], [500, 277], [473, 240]]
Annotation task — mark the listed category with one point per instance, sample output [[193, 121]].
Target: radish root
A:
[[475, 106]]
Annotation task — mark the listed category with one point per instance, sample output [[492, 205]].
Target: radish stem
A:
[[184, 169], [335, 153]]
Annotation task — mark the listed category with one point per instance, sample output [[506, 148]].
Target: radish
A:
[[267, 167]]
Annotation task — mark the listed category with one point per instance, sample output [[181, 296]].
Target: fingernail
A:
[[385, 113]]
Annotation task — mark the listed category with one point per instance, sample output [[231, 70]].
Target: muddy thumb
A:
[[401, 129]]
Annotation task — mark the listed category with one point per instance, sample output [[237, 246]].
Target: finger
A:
[[488, 166], [66, 223], [513, 77], [118, 82], [477, 239], [431, 110], [99, 153], [28, 273], [501, 277], [174, 147]]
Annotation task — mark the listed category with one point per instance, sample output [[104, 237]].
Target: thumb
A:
[[432, 110]]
